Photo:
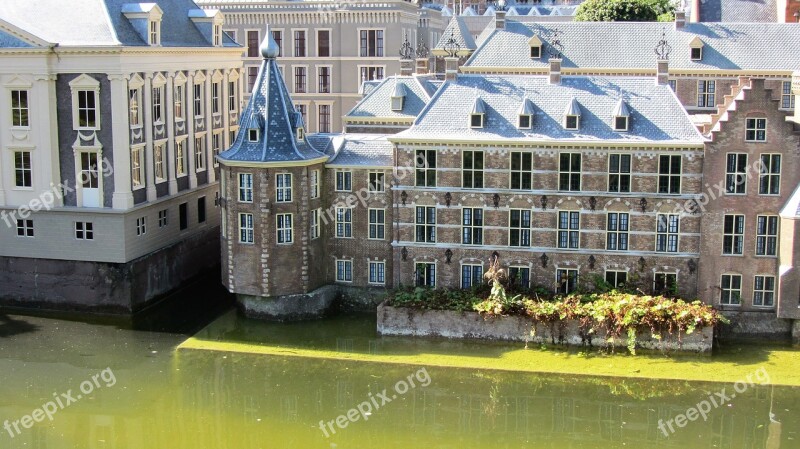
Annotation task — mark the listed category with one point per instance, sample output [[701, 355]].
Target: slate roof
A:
[[101, 22], [9, 41], [738, 11], [459, 31], [271, 111], [377, 103], [362, 150], [656, 115], [606, 45]]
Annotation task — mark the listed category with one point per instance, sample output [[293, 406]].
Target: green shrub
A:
[[625, 11]]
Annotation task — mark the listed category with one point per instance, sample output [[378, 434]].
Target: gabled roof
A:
[[738, 11], [459, 31], [377, 103], [270, 111], [102, 22], [7, 40], [526, 108], [657, 117], [621, 109], [573, 108], [629, 45]]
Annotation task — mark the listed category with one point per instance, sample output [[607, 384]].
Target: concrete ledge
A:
[[289, 307], [450, 324]]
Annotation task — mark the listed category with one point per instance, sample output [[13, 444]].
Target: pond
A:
[[113, 387]]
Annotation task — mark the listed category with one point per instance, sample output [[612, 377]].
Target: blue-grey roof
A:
[[377, 104], [362, 150], [9, 41], [656, 115], [459, 31], [738, 11], [630, 45], [270, 110], [102, 22]]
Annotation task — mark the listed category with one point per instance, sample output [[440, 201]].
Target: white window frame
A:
[[572, 234], [330, 78], [163, 218], [22, 111], [566, 290], [618, 172], [763, 291], [734, 235], [757, 126], [344, 222], [305, 42], [160, 162], [616, 273], [523, 232], [25, 171], [665, 275], [284, 234], [569, 173], [380, 275], [427, 267], [617, 238], [197, 100], [135, 107], [475, 270], [141, 226], [469, 174], [672, 178], [730, 289], [376, 225], [519, 269], [246, 229], [180, 158], [199, 153], [522, 171], [245, 187], [769, 174], [346, 178], [706, 94], [283, 191], [137, 165], [471, 230], [787, 97], [763, 239], [84, 230], [736, 176], [346, 268], [320, 128], [315, 215], [314, 183], [376, 182], [90, 86], [426, 170], [25, 228], [154, 32], [666, 234], [424, 225], [380, 51]]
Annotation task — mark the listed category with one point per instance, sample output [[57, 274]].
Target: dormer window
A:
[[477, 114], [621, 116], [572, 116], [217, 35], [398, 96], [620, 123], [696, 49], [397, 103], [536, 47], [524, 122], [476, 121], [525, 115], [571, 122], [252, 134], [155, 32], [301, 135]]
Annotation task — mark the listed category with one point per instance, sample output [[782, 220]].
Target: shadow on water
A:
[[10, 327]]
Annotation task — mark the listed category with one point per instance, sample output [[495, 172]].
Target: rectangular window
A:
[[665, 284], [158, 159], [246, 233], [315, 224], [472, 226], [245, 187], [324, 116], [84, 230], [216, 147], [180, 158], [755, 130], [163, 218], [135, 116], [201, 209], [787, 98], [252, 77], [300, 80], [521, 170], [215, 98], [619, 173], [731, 289], [519, 233], [426, 168], [371, 43], [234, 36], [569, 172], [472, 169], [141, 226], [669, 174], [471, 275], [20, 116], [283, 188], [87, 109], [769, 180], [369, 73], [425, 275], [344, 222], [314, 184], [344, 271], [300, 44], [217, 36], [232, 97], [569, 225], [24, 228], [667, 229], [183, 216], [764, 291], [673, 84], [323, 43], [253, 44], [616, 279], [23, 172], [520, 276], [178, 102], [158, 105], [705, 94], [767, 235], [617, 231], [283, 224], [199, 154], [198, 100], [377, 273], [344, 181], [733, 235], [567, 281], [376, 182], [137, 176], [324, 73], [425, 229], [736, 173], [377, 224]]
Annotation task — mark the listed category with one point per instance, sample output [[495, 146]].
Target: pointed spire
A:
[[269, 48], [573, 108], [621, 109], [526, 108]]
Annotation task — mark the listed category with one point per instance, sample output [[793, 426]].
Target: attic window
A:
[[571, 122], [620, 123], [524, 121], [217, 35], [252, 135], [397, 103], [536, 52], [621, 116], [155, 32], [696, 49], [301, 135], [476, 120], [572, 116]]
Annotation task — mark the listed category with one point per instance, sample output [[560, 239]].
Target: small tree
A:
[[625, 11]]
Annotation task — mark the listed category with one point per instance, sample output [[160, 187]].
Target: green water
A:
[[164, 398]]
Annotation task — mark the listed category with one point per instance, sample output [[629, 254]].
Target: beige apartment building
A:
[[328, 49]]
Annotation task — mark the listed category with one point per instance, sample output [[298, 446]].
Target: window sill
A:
[[21, 128], [86, 129], [22, 189], [136, 126]]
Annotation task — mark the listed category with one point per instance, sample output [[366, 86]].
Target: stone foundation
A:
[[311, 305], [450, 324], [756, 325], [106, 288]]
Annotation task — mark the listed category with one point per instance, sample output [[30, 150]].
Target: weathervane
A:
[[663, 49], [555, 48], [422, 49], [406, 50], [500, 5], [451, 46]]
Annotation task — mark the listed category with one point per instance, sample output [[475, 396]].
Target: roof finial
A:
[[269, 48], [663, 49], [451, 46], [556, 48], [406, 50]]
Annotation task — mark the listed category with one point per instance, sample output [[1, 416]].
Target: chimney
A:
[[422, 66], [555, 70], [662, 72], [680, 18], [406, 67], [450, 68], [796, 92], [499, 19]]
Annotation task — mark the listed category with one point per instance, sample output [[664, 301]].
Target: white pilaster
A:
[[169, 112], [209, 129], [190, 128], [149, 165], [123, 195]]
